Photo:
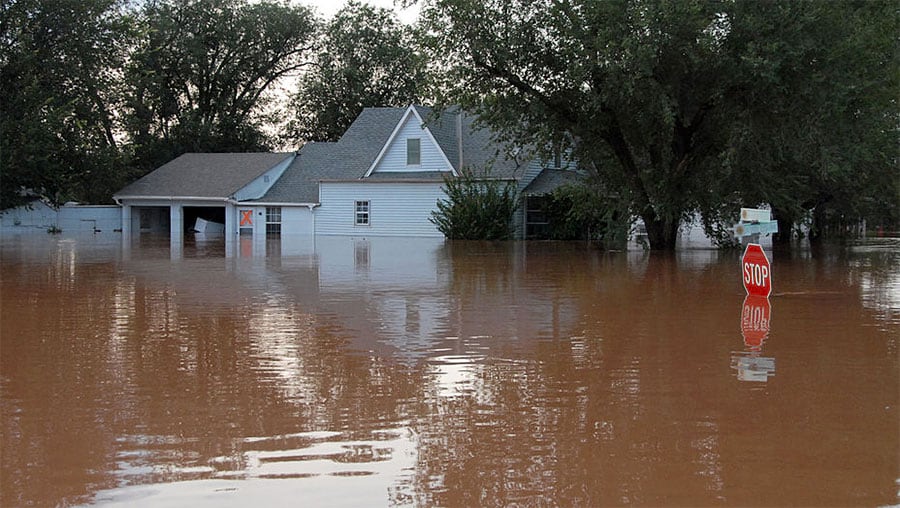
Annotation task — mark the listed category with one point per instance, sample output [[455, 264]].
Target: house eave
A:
[[170, 198]]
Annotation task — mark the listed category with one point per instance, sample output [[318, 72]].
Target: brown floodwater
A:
[[382, 372]]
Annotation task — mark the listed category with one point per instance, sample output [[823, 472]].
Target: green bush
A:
[[476, 208], [582, 212]]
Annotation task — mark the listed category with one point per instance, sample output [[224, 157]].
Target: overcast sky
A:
[[327, 8]]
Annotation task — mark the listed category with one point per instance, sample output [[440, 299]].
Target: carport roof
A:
[[551, 179], [203, 175]]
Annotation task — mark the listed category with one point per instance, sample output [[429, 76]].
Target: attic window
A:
[[413, 152]]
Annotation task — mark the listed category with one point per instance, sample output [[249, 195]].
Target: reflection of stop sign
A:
[[756, 271], [756, 317]]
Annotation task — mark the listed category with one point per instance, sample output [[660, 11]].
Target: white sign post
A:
[[754, 222]]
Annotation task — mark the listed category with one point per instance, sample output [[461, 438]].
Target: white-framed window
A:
[[362, 213], [273, 220], [413, 151]]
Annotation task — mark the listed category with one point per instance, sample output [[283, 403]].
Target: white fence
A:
[[69, 218]]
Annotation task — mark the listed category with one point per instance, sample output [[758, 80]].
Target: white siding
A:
[[69, 218], [296, 220], [90, 217], [394, 159], [261, 184], [395, 209]]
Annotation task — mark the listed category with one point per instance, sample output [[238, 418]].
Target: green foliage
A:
[[585, 212], [367, 58], [688, 105], [58, 95], [476, 208], [825, 143], [200, 75]]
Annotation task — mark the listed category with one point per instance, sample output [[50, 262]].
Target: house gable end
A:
[[394, 158], [260, 185]]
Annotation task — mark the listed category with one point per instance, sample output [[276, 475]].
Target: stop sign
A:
[[756, 271], [756, 316]]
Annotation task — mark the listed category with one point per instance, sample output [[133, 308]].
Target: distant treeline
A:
[[674, 108]]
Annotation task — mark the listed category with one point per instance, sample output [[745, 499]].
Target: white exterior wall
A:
[[90, 218], [69, 218], [261, 184], [297, 220], [35, 215], [394, 158], [395, 209]]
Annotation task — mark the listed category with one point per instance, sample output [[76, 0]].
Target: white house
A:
[[383, 177]]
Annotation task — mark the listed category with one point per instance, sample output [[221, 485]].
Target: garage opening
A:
[[150, 219], [212, 219], [204, 230]]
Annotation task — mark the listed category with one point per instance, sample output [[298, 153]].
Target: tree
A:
[[657, 98], [828, 147], [58, 96], [476, 208], [366, 58], [200, 74], [586, 211]]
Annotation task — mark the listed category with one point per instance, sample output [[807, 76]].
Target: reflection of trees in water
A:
[[589, 382], [55, 332], [569, 418], [570, 421], [124, 381]]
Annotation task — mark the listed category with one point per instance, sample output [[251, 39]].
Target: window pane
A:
[[413, 149], [362, 213]]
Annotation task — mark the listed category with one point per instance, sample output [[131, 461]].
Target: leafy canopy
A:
[[58, 96], [674, 103], [202, 70], [366, 58]]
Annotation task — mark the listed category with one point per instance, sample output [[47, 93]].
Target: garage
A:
[[197, 191]]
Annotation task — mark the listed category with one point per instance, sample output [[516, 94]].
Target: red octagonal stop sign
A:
[[756, 271]]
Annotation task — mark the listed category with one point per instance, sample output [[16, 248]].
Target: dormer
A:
[[411, 148]]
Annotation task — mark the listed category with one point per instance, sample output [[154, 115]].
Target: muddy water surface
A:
[[380, 372]]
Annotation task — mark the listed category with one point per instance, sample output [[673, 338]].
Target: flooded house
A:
[[383, 177]]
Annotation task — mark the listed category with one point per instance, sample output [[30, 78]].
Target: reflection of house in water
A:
[[430, 304], [418, 294], [752, 367]]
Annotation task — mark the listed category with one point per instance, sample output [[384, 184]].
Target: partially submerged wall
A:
[[69, 218]]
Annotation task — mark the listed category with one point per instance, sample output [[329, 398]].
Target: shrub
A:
[[476, 208], [583, 212]]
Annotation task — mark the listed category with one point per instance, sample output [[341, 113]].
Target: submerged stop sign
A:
[[756, 271]]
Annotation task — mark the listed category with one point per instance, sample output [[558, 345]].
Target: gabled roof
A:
[[352, 156], [203, 175], [411, 114]]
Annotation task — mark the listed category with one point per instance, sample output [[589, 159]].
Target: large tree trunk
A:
[[785, 226], [817, 229], [661, 233]]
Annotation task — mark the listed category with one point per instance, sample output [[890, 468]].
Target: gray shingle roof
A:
[[551, 179], [205, 175], [350, 157]]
